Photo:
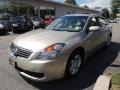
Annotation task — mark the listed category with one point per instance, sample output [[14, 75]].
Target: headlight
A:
[[36, 23], [1, 26], [51, 52]]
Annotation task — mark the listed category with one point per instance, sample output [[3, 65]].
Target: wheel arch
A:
[[82, 50]]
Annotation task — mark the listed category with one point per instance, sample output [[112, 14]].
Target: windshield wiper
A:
[[72, 31], [62, 30], [56, 29]]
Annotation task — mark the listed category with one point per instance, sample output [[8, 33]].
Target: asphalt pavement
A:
[[104, 61]]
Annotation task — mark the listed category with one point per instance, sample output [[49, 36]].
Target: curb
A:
[[102, 83]]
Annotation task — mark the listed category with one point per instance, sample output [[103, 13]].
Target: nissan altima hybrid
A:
[[61, 48]]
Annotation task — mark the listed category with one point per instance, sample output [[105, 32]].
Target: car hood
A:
[[40, 39]]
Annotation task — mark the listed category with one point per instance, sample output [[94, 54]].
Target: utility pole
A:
[[28, 10], [5, 7], [18, 9]]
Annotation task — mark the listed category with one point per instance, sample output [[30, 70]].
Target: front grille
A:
[[19, 51]]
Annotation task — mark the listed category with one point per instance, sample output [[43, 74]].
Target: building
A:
[[50, 7]]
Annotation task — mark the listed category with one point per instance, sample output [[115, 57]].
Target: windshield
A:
[[17, 19], [68, 23], [36, 18]]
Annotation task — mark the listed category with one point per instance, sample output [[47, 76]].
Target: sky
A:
[[93, 3], [98, 3]]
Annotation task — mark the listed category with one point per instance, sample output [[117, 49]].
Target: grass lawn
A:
[[115, 81]]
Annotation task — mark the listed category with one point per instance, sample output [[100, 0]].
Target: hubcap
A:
[[108, 41], [75, 64]]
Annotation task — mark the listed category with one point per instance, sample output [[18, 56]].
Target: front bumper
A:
[[47, 69]]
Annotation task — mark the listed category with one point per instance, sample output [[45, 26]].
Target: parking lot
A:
[[105, 60]]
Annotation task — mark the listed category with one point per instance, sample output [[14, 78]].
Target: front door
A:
[[93, 37]]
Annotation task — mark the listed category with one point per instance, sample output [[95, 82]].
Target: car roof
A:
[[89, 15]]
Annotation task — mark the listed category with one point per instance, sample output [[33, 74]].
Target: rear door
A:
[[104, 29]]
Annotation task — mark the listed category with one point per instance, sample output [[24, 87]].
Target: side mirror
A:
[[94, 28]]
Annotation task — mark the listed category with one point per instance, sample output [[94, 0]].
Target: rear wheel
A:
[[5, 32], [74, 64], [14, 31]]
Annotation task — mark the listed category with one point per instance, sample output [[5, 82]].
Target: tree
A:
[[20, 9], [105, 13], [2, 10], [86, 6], [72, 2], [115, 6]]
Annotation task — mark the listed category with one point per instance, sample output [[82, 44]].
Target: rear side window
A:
[[102, 21]]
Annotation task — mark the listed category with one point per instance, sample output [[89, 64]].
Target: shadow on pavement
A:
[[4, 34], [90, 71], [113, 65]]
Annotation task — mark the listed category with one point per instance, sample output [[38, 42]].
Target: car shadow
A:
[[4, 34], [20, 32], [95, 66]]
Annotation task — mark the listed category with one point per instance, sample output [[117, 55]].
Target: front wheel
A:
[[14, 31], [74, 64], [108, 42]]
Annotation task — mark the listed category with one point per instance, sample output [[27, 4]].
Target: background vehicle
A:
[[38, 22], [5, 25], [48, 20], [20, 24], [2, 29], [112, 21], [61, 49]]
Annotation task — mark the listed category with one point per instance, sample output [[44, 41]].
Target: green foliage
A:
[[113, 16], [2, 10], [21, 9], [116, 81], [86, 6], [73, 2], [115, 6], [105, 13]]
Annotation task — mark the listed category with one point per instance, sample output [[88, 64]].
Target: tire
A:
[[15, 31], [108, 42], [74, 64], [4, 32]]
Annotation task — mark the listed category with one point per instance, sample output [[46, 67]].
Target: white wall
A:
[[63, 10], [60, 9]]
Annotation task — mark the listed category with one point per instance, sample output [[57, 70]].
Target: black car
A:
[[5, 26], [20, 24], [2, 30]]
